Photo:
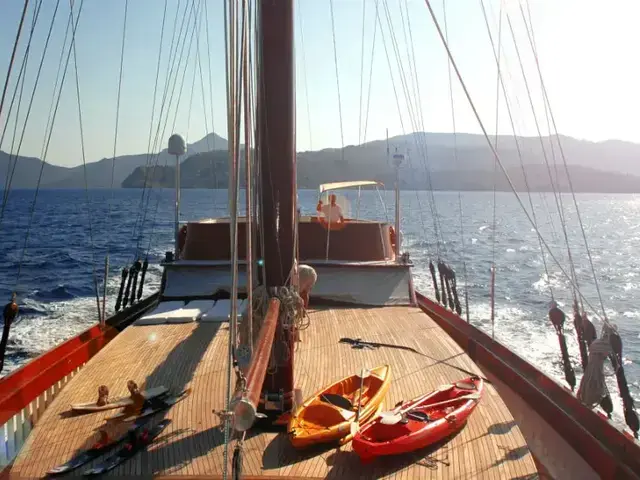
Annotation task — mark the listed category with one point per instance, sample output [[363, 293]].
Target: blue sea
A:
[[51, 258]]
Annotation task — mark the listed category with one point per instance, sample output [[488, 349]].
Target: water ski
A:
[[152, 407], [101, 447], [103, 402], [138, 439]]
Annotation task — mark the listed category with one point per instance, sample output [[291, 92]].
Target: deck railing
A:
[[609, 451], [15, 431], [27, 392]]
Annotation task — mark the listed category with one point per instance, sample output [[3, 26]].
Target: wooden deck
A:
[[194, 355]]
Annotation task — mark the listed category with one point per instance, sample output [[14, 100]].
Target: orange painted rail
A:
[[246, 403]]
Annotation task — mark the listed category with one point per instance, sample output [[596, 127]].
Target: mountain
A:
[[465, 156], [98, 173], [210, 170], [27, 170]]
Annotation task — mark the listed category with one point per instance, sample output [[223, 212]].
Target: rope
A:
[[493, 150], [495, 171], [84, 171], [206, 24], [373, 48], [520, 156], [423, 150], [21, 75], [592, 385], [457, 162], [304, 73], [142, 216], [45, 151], [26, 119], [335, 61], [20, 82], [13, 54], [229, 30], [556, 195], [115, 136], [364, 9], [564, 160]]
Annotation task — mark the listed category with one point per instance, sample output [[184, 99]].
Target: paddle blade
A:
[[390, 418]]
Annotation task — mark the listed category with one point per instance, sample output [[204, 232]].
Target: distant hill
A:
[[210, 170], [609, 166], [27, 170], [99, 172]]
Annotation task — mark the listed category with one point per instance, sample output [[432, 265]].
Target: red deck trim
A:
[[24, 385], [602, 445]]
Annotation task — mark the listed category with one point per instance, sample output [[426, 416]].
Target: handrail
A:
[[600, 443], [245, 403]]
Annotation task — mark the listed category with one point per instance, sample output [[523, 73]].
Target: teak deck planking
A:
[[194, 355]]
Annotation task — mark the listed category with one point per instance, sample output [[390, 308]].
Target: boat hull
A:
[[568, 439], [327, 415], [447, 408]]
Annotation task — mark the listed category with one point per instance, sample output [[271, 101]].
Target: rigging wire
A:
[[140, 218], [419, 141], [13, 54], [84, 169], [417, 94], [457, 163], [213, 126], [21, 76], [564, 160], [518, 149], [335, 61], [173, 67], [43, 156], [423, 152], [304, 74], [20, 85], [115, 137], [175, 81], [26, 119], [364, 10], [373, 49], [228, 54], [494, 152], [556, 193], [495, 171]]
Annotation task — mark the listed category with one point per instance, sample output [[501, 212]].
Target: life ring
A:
[[333, 226]]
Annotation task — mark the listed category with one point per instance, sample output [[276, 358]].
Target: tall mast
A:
[[276, 150]]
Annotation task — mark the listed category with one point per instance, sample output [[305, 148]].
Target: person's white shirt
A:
[[332, 213]]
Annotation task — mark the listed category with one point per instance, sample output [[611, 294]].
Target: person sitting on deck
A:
[[332, 212], [307, 277]]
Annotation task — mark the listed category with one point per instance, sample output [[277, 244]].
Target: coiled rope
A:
[[592, 386]]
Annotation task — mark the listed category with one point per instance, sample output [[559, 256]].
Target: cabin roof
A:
[[325, 187]]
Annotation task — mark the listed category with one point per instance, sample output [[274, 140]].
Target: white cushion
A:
[[221, 311], [161, 313], [191, 312]]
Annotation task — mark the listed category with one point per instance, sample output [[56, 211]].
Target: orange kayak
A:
[[420, 422], [329, 414]]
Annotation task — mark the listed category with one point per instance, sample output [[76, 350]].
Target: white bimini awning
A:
[[357, 183]]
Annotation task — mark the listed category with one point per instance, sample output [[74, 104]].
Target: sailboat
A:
[[228, 325]]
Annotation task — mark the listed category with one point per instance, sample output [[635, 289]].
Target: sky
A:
[[586, 50]]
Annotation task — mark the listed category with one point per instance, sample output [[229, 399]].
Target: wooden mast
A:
[[276, 150]]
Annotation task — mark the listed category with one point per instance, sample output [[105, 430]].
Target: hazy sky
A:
[[587, 51]]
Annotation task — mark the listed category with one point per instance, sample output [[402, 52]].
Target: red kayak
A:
[[420, 422]]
